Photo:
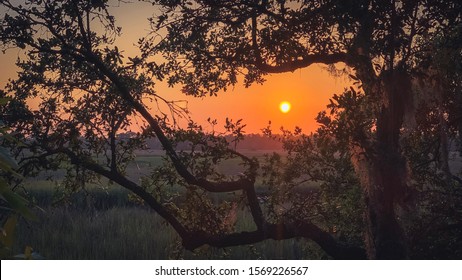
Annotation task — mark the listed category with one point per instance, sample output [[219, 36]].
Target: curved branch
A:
[[227, 186], [301, 63], [192, 240], [293, 65], [195, 239], [126, 183], [280, 231]]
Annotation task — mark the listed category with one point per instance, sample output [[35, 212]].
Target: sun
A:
[[285, 107]]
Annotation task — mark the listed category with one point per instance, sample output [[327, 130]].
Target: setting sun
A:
[[284, 107]]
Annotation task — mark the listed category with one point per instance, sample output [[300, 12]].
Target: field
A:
[[104, 224]]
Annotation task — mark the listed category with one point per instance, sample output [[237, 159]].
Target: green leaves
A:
[[16, 202]]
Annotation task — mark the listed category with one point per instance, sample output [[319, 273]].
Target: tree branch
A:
[[191, 239], [280, 231], [293, 65], [226, 186], [195, 239], [115, 176], [308, 60]]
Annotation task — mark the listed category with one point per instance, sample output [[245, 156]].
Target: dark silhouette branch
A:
[[195, 239], [225, 186], [83, 53], [115, 176], [293, 65], [280, 231], [106, 73]]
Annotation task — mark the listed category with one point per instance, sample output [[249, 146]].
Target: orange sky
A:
[[308, 90]]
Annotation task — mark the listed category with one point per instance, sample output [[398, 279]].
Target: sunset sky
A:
[[307, 90]]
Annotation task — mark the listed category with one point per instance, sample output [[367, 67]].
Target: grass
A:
[[134, 233], [117, 233], [104, 224]]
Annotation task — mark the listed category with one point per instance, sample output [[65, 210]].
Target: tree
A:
[[90, 93], [384, 44]]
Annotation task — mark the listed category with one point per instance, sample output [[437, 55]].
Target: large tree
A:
[[89, 94], [386, 46]]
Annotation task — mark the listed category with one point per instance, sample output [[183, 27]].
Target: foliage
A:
[[387, 47], [129, 232], [90, 94], [13, 204], [432, 149]]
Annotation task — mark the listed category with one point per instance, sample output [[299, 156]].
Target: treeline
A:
[[250, 142]]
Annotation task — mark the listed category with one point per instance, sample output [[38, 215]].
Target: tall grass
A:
[[119, 229], [102, 223], [117, 233]]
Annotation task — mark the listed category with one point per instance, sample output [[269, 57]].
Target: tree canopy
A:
[[90, 93], [387, 47]]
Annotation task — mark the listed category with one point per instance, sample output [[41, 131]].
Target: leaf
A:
[[7, 238], [6, 159], [6, 167], [16, 202]]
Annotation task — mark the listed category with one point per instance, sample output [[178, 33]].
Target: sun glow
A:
[[285, 107]]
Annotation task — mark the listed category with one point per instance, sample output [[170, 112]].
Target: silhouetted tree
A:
[[385, 45], [89, 93]]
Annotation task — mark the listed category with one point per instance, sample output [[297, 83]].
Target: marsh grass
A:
[[117, 233], [103, 223], [135, 233]]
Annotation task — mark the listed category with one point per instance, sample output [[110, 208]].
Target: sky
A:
[[307, 90]]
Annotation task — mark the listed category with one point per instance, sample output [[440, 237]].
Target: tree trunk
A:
[[382, 171], [380, 179], [444, 140]]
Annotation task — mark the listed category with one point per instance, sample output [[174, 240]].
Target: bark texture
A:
[[382, 170]]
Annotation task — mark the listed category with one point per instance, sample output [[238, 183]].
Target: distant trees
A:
[[89, 93], [251, 142]]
